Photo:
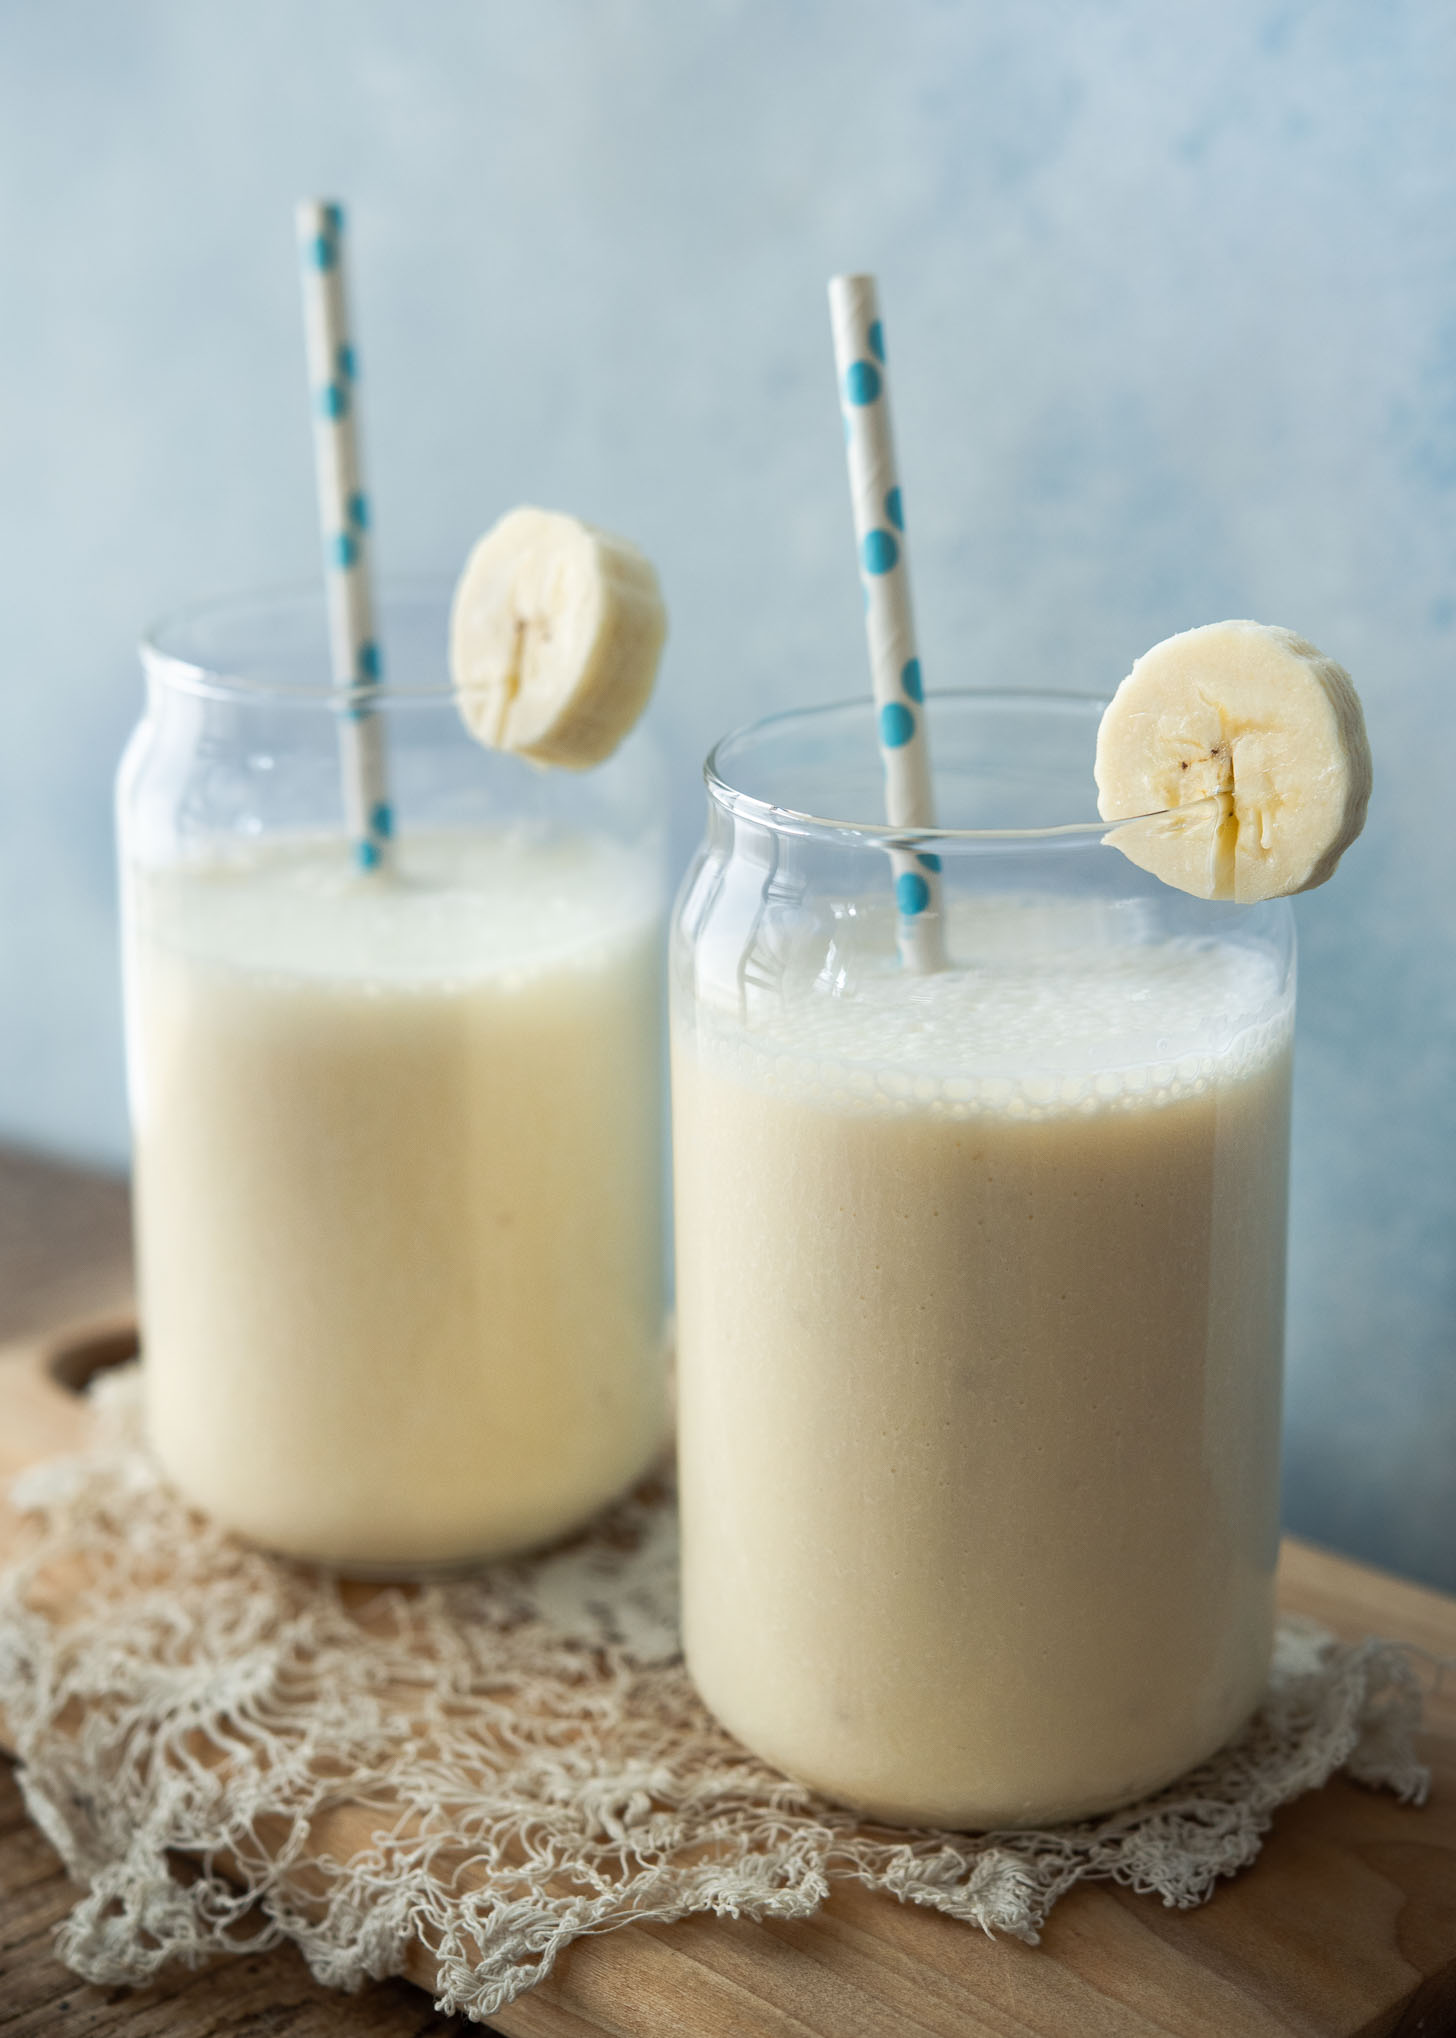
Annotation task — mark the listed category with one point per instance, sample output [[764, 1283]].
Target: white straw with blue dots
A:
[[879, 529], [344, 519]]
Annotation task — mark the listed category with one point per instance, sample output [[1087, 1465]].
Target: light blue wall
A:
[[1172, 299]]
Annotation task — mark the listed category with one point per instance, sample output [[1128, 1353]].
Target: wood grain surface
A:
[[1345, 1928], [65, 1243]]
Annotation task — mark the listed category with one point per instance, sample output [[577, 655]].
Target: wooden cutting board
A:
[[1344, 1928]]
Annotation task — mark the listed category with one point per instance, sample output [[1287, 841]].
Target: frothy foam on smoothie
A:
[[455, 907], [1033, 1020]]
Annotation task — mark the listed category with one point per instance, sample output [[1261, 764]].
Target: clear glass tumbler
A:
[[397, 1134], [980, 1279]]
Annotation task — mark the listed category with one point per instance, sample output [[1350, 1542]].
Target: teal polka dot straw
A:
[[344, 521], [879, 530]]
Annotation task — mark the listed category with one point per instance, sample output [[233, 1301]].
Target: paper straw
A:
[[879, 529], [344, 522]]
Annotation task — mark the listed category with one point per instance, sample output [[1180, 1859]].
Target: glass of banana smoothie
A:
[[397, 1131], [980, 1278]]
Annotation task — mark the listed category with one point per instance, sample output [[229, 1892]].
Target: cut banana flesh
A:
[[1245, 750], [555, 636]]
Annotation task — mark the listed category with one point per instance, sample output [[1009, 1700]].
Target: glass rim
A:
[[883, 834], [174, 665]]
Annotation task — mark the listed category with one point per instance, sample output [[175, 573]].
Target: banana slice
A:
[[1246, 750], [555, 635]]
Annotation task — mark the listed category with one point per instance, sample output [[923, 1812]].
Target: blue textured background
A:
[[1171, 297]]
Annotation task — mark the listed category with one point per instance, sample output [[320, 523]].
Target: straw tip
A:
[[319, 215], [852, 282]]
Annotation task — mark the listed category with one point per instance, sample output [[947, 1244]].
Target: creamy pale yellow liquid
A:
[[397, 1162], [980, 1290]]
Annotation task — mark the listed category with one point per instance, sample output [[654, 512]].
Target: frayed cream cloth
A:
[[495, 1766]]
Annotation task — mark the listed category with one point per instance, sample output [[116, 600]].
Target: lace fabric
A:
[[494, 1766]]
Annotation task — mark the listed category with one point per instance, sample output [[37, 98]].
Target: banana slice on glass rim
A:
[[1245, 749], [555, 635]]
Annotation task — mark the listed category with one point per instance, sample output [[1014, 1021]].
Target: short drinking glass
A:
[[980, 1279]]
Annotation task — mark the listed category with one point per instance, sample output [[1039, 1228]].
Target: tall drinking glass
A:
[[397, 1133], [980, 1279]]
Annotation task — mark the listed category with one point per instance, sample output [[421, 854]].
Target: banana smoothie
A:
[[397, 1157], [980, 1290]]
